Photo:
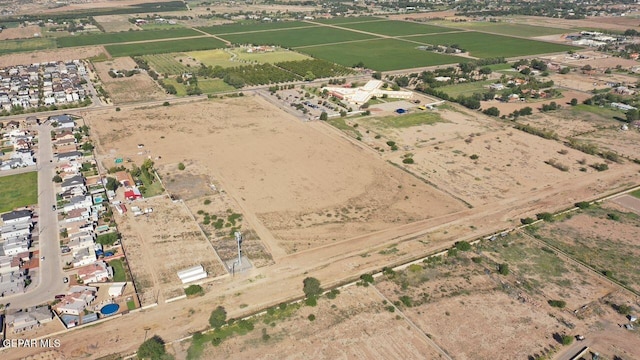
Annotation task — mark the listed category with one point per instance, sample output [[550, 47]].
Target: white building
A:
[[361, 95]]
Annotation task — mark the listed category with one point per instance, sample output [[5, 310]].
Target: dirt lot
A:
[[116, 23], [123, 90], [22, 32], [622, 142], [152, 242], [509, 107], [51, 55], [304, 192]]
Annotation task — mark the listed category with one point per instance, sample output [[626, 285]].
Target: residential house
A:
[[97, 272], [78, 299], [78, 202], [16, 230], [64, 121], [28, 319], [72, 182], [84, 256], [78, 214], [80, 241], [17, 216], [70, 155], [7, 266]]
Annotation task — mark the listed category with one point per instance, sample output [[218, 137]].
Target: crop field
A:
[[396, 28], [165, 64], [484, 45], [319, 68], [161, 47], [348, 20], [253, 27], [217, 57], [603, 237], [298, 37], [271, 57], [12, 46], [506, 28], [381, 55], [18, 190], [125, 36]]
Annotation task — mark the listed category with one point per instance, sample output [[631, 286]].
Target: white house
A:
[[17, 216], [96, 272], [84, 256]]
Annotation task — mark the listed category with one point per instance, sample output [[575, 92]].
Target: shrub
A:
[[368, 278], [216, 341], [207, 201], [57, 179], [218, 317], [152, 349], [333, 294], [557, 303], [391, 143], [194, 290], [567, 340], [311, 301], [311, 317], [246, 324], [414, 268], [407, 160], [311, 287], [527, 221], [476, 259], [406, 300], [503, 269], [474, 157], [181, 166], [545, 216], [583, 205], [166, 103], [463, 246], [600, 167], [613, 216], [117, 109]]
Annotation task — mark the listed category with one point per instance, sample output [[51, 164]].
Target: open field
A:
[[603, 237], [253, 27], [625, 143], [506, 28], [297, 37], [571, 121], [161, 47], [126, 36], [396, 28], [467, 89], [279, 55], [152, 244], [354, 325], [348, 20], [285, 198], [13, 46], [484, 45], [139, 87], [217, 57], [22, 32], [166, 63], [208, 86], [115, 23], [381, 55], [18, 190], [51, 55]]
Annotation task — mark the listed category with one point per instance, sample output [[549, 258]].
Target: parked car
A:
[[580, 337], [53, 207], [65, 279], [42, 258], [59, 296]]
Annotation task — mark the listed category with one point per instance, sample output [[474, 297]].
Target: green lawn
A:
[[131, 305], [506, 28], [381, 55], [407, 120], [125, 36], [604, 112], [12, 46], [396, 28], [252, 26], [212, 86], [635, 193], [18, 190], [119, 273], [161, 47], [298, 37], [466, 88], [484, 45]]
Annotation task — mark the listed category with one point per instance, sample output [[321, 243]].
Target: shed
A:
[[116, 289], [192, 274]]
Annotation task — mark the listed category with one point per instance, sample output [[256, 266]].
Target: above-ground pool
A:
[[109, 309]]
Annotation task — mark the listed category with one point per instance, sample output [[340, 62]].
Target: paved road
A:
[[50, 274]]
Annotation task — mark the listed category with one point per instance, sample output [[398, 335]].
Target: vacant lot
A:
[[21, 32], [353, 325], [18, 190], [396, 28], [51, 55], [484, 45], [139, 87], [161, 47], [115, 23], [296, 194], [126, 36], [604, 238], [381, 55]]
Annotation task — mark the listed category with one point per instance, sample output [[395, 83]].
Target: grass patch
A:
[[342, 125], [381, 55], [166, 64], [395, 28], [635, 193], [124, 36], [604, 112], [466, 89], [485, 45], [12, 46], [161, 47], [408, 120], [119, 273], [297, 37], [131, 305], [18, 191], [213, 58]]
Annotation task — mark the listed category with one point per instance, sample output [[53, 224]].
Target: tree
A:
[[309, 76], [324, 116], [574, 102], [57, 179], [485, 70], [311, 287], [87, 146], [152, 349], [112, 184], [463, 246], [632, 115], [218, 317], [377, 75], [492, 111]]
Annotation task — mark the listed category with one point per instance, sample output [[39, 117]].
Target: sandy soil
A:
[[51, 55], [624, 143], [116, 23], [301, 182], [137, 88], [22, 32]]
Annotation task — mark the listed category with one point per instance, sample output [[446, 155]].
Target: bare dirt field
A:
[[509, 107], [160, 244], [51, 55], [22, 32], [123, 90], [629, 202], [299, 180], [622, 142], [568, 123], [355, 325], [116, 23]]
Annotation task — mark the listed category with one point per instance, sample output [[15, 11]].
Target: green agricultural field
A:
[[484, 45], [125, 36], [406, 120], [12, 46], [348, 20], [166, 64], [213, 58], [396, 28], [253, 27], [18, 190], [162, 47], [466, 89], [279, 55], [297, 37], [381, 55], [506, 28], [165, 26], [213, 86]]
